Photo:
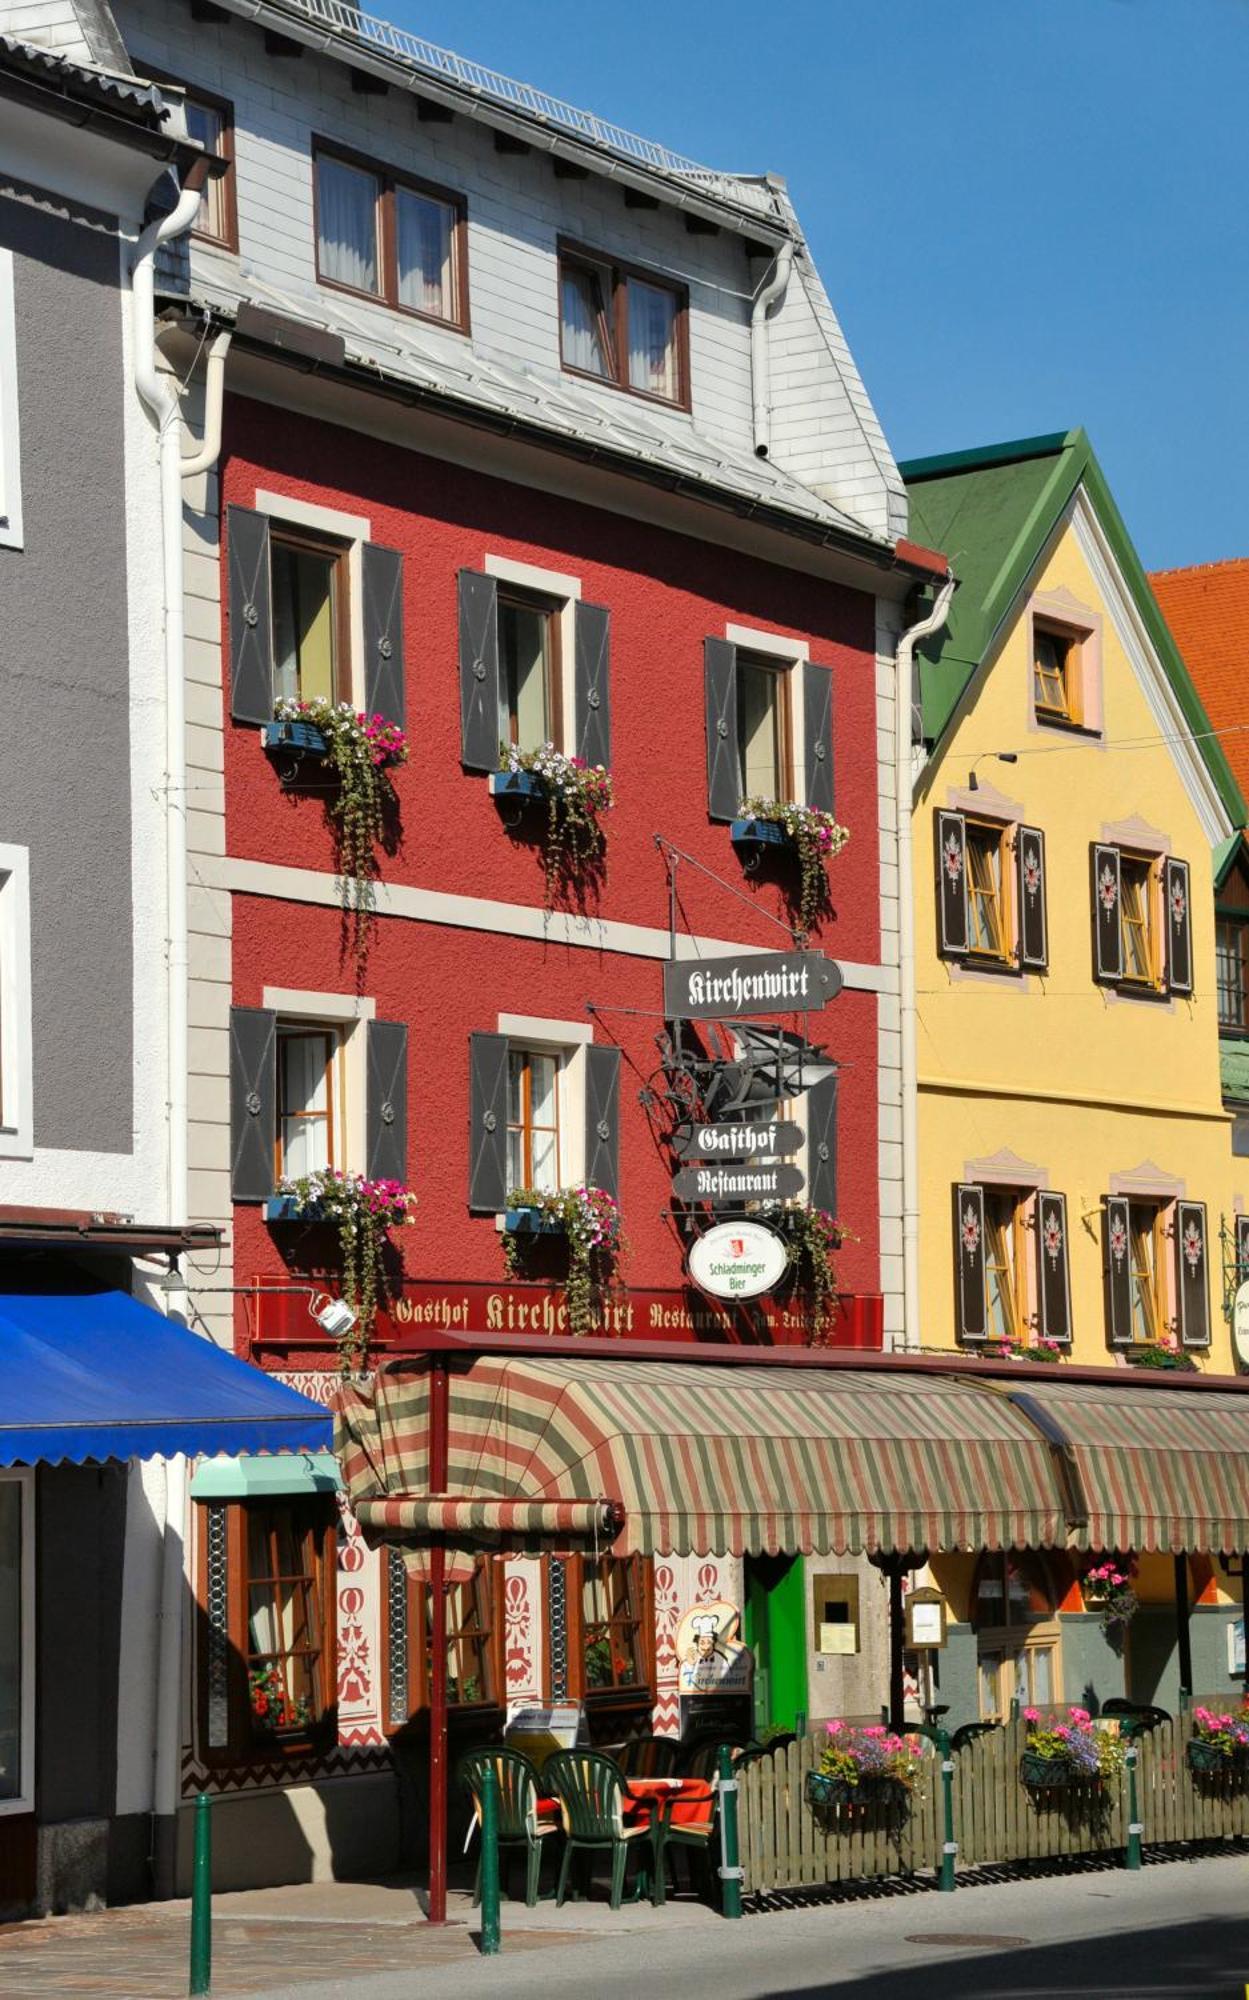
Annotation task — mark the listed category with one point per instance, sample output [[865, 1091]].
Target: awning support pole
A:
[[897, 1636], [438, 1653], [1183, 1636]]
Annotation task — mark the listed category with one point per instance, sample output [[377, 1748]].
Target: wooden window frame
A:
[[1071, 640], [289, 1029], [389, 180], [1157, 1234], [1001, 835], [620, 271], [526, 1128], [1236, 921], [306, 541], [247, 1745], [224, 108], [552, 609], [782, 672], [1040, 1634], [630, 1694], [490, 1577], [1149, 867], [1016, 1225]]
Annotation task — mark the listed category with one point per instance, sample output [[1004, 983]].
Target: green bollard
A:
[[949, 1846], [490, 1941], [730, 1865], [202, 1899], [1132, 1853]]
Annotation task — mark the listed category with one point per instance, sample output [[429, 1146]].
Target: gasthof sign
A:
[[774, 982], [775, 1140]]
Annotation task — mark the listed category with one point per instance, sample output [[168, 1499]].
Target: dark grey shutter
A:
[[1192, 1285], [1107, 892], [382, 581], [386, 1101], [479, 671], [724, 779], [1117, 1253], [951, 830], [969, 1288], [822, 1144], [592, 683], [487, 1123], [251, 615], [1030, 883], [1242, 1249], [253, 1101], [602, 1119], [1179, 927], [817, 722], [1053, 1267]]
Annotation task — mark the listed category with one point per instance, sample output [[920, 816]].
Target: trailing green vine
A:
[[590, 1223], [811, 1236], [361, 751], [361, 1211], [816, 836], [575, 794]]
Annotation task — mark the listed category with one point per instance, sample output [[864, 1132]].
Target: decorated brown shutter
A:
[[602, 1119], [479, 671], [253, 1101], [592, 683], [724, 781], [386, 1101], [821, 1104], [487, 1123], [1242, 1249], [1053, 1267], [1192, 1285], [969, 1289], [382, 583], [1107, 893], [817, 721], [1117, 1255], [951, 833], [1179, 928], [251, 615], [1030, 884]]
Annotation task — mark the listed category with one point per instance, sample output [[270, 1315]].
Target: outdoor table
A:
[[676, 1801]]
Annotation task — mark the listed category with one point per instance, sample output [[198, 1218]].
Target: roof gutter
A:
[[60, 101]]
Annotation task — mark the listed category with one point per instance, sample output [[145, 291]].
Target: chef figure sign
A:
[[712, 1658]]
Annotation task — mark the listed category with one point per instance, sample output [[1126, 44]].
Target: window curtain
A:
[[347, 225], [425, 235], [584, 305], [652, 346]]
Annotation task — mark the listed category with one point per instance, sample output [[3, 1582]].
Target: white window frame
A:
[[566, 590], [17, 1135], [353, 529], [25, 1801], [567, 1041], [790, 655], [346, 1015], [10, 435]]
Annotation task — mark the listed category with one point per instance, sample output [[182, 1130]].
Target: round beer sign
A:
[[1240, 1324], [738, 1260]]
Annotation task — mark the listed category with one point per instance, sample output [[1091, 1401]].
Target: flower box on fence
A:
[[301, 736], [1211, 1760], [517, 785], [533, 1222], [825, 1792], [1045, 1773], [759, 833]]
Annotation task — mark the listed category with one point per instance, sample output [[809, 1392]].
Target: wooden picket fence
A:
[[997, 1818]]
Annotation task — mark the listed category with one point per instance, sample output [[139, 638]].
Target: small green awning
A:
[[266, 1478], [1234, 1071]]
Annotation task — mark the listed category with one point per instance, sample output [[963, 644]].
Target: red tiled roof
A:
[[1207, 609]]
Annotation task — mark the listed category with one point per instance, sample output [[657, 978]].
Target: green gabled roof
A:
[[1234, 1070], [992, 511], [1225, 854]]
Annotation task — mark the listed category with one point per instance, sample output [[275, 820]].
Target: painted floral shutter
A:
[[817, 721], [1192, 1285], [951, 832], [821, 1106], [251, 615], [724, 782], [382, 586], [487, 1123], [479, 671], [592, 683], [386, 1101], [1107, 892], [969, 1291], [1030, 884], [1053, 1267], [253, 1101], [1242, 1249], [1179, 927], [602, 1119], [1117, 1253]]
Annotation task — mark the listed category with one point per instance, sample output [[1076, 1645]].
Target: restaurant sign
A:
[[737, 1181], [773, 982], [738, 1260], [770, 1139]]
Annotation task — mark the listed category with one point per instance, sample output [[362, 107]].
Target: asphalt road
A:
[[1178, 1928]]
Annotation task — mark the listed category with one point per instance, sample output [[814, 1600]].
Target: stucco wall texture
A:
[[65, 785]]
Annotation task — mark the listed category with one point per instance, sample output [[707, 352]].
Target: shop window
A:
[[1231, 944], [17, 1632], [474, 1639], [1017, 1639], [311, 645], [613, 1649], [289, 1616], [622, 326], [309, 1113], [391, 238], [763, 728], [529, 670]]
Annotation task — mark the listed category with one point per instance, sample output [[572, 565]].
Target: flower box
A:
[[517, 785], [1044, 1772], [1206, 1759], [289, 1208], [759, 833], [825, 1792], [532, 1222], [304, 737]]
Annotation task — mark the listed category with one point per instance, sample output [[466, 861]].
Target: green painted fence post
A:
[[202, 1899], [1132, 1853], [730, 1865], [490, 1942], [949, 1846]]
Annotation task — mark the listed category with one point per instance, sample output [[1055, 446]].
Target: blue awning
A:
[[96, 1375]]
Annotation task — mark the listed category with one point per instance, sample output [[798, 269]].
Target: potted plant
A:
[[1162, 1353], [811, 1236], [1013, 1349], [361, 750], [1109, 1589], [589, 1221], [864, 1766], [574, 793], [272, 1708], [1219, 1744], [814, 836], [361, 1210], [1074, 1752]]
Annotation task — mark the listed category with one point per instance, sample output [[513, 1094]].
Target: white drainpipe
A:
[[766, 296], [906, 961]]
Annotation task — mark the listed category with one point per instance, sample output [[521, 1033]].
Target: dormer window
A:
[[390, 238], [1053, 688], [623, 326]]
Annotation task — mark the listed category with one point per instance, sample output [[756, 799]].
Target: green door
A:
[[776, 1631]]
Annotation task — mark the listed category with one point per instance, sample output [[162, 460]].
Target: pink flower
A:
[[1032, 1715]]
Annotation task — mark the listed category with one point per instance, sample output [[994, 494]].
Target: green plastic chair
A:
[[648, 1757], [519, 1821], [590, 1789]]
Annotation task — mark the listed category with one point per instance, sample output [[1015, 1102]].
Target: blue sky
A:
[[1028, 213]]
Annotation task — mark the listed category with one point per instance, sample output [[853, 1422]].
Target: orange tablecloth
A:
[[680, 1801]]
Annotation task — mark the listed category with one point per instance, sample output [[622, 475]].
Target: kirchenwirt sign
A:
[[774, 982], [738, 1260]]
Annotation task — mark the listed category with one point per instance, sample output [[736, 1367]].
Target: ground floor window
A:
[[609, 1613], [17, 1628], [1014, 1607], [474, 1640], [268, 1657]]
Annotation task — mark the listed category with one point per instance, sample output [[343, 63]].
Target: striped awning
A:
[[701, 1458]]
